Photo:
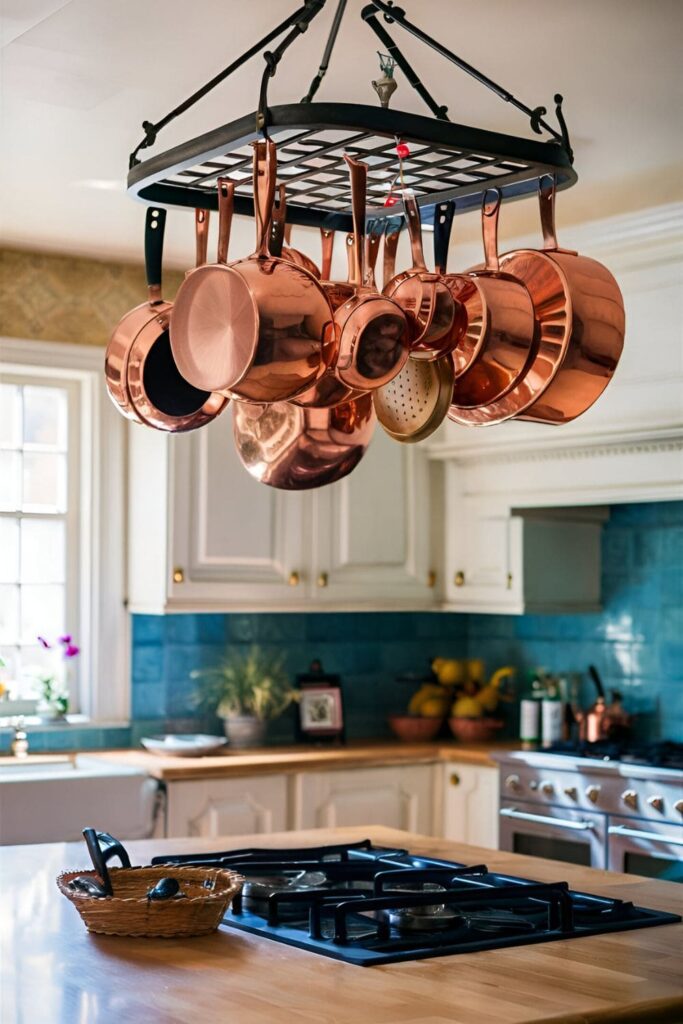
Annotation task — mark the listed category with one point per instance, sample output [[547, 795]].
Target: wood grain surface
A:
[[54, 972]]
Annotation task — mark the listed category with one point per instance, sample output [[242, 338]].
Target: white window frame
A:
[[103, 626]]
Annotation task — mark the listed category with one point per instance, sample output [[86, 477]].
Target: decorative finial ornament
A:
[[387, 85]]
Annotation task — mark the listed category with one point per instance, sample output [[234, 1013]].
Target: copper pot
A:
[[264, 330], [587, 336], [424, 296], [392, 233], [298, 449], [501, 335], [300, 259]]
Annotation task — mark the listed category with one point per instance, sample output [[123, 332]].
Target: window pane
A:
[[9, 614], [10, 415], [8, 674], [42, 612], [9, 550], [10, 480], [43, 550], [45, 416], [44, 482]]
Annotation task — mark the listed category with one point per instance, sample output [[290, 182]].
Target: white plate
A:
[[183, 744]]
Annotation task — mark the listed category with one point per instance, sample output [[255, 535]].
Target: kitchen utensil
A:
[[424, 296], [158, 391], [327, 246], [165, 889], [595, 676], [392, 233], [179, 745], [269, 335], [501, 334], [374, 236], [102, 847], [88, 886], [616, 721], [590, 321], [416, 401], [297, 449]]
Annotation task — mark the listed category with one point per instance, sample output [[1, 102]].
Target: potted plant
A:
[[246, 690], [53, 690]]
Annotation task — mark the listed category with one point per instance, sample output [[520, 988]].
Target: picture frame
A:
[[321, 706]]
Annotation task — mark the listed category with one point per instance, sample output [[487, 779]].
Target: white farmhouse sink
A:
[[46, 802]]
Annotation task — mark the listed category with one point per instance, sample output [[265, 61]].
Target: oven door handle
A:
[[540, 819], [636, 833]]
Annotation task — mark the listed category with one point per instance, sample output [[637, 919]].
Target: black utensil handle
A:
[[443, 221], [102, 847], [595, 676], [155, 223]]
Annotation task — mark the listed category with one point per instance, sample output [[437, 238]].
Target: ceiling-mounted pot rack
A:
[[445, 161]]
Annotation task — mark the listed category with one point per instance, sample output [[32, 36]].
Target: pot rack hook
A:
[[273, 58]]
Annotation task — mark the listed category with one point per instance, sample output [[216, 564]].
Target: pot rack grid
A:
[[446, 161]]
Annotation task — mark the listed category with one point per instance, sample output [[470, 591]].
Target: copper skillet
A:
[[261, 329], [502, 335], [424, 296]]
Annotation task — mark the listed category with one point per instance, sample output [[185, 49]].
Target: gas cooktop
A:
[[662, 754], [368, 905]]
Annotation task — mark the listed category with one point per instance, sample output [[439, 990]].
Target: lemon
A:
[[434, 707], [466, 707], [450, 672], [427, 691], [475, 669], [488, 697]]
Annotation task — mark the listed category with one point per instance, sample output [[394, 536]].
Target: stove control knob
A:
[[533, 785], [513, 782], [571, 792], [678, 806], [630, 798], [656, 802], [547, 788], [593, 793]]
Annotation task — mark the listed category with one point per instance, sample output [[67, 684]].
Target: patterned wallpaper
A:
[[47, 297]]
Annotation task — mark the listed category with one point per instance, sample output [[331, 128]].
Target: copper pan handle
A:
[[277, 229], [351, 258], [375, 232], [358, 173], [391, 237], [265, 171], [546, 202], [288, 234], [226, 192], [443, 222], [155, 223], [489, 223], [201, 229], [414, 230], [327, 243]]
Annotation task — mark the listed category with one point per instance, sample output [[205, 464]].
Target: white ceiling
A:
[[78, 77]]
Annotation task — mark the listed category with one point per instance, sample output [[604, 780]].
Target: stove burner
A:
[[433, 917]]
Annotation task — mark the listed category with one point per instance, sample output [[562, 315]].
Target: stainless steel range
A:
[[620, 809]]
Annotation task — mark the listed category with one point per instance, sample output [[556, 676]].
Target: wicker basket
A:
[[208, 893]]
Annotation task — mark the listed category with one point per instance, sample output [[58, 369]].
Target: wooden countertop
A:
[[270, 760], [54, 972]]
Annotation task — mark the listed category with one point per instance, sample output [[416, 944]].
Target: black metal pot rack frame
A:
[[447, 161]]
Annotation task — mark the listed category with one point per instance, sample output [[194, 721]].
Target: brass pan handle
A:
[[265, 171], [201, 227]]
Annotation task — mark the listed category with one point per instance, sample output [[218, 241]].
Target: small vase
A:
[[245, 731]]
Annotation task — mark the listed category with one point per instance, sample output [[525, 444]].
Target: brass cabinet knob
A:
[[431, 578], [323, 579], [294, 579], [459, 578], [178, 575], [455, 779]]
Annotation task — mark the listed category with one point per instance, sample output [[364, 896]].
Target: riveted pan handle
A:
[[265, 170], [375, 231], [155, 223], [279, 216], [327, 244], [358, 172], [443, 222], [391, 237], [546, 202], [489, 222], [414, 230], [201, 228], [226, 192]]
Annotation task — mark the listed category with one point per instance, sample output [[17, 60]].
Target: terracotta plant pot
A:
[[245, 731], [474, 730], [413, 729]]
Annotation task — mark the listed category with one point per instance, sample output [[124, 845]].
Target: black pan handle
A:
[[595, 676], [443, 221], [155, 223], [102, 847]]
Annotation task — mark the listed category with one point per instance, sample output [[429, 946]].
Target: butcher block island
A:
[[54, 972]]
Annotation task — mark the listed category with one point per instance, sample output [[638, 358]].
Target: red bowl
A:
[[414, 729], [474, 730]]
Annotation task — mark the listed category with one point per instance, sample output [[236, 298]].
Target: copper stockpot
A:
[[264, 331], [429, 303], [298, 449], [585, 337], [501, 334]]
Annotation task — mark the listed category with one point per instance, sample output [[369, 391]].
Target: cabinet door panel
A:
[[484, 559], [395, 797], [471, 804], [222, 807]]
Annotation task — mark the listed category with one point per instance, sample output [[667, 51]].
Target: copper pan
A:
[[128, 327], [158, 392], [300, 259], [501, 335], [432, 310], [271, 337], [392, 233], [298, 449], [588, 321]]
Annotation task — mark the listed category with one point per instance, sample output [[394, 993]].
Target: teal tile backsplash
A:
[[636, 641]]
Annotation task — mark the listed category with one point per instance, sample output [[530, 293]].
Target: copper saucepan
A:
[[588, 320], [159, 393], [501, 334], [392, 233], [262, 329], [298, 449], [300, 259], [424, 296]]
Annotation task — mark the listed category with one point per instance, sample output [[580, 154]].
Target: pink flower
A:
[[65, 640], [43, 643], [71, 650]]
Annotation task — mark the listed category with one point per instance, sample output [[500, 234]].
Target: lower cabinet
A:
[[470, 804], [224, 807], [398, 797]]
